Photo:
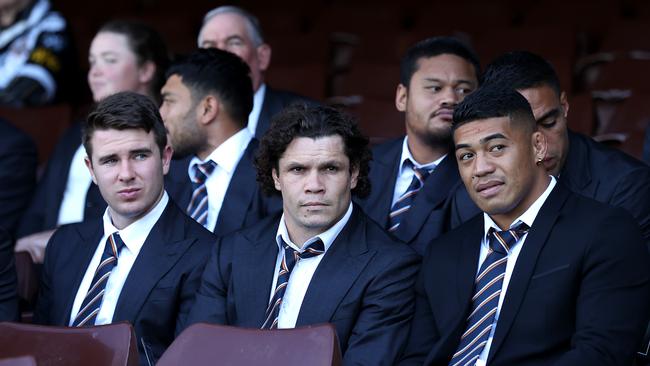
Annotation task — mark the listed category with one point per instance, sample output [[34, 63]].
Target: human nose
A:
[[482, 165], [126, 172], [314, 183], [449, 97]]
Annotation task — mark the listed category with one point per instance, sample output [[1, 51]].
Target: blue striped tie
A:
[[487, 290], [198, 207], [93, 300], [403, 203], [289, 260]]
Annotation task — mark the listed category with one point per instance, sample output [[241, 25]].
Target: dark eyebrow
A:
[[106, 157], [552, 113], [456, 81], [483, 140], [140, 151]]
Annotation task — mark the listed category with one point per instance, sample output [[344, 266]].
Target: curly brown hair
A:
[[301, 120]]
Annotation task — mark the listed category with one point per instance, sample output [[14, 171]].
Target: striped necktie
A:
[[93, 300], [487, 290], [289, 260], [403, 203], [198, 207]]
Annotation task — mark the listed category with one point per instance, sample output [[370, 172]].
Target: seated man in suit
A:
[[543, 276], [415, 173], [8, 294], [323, 260], [142, 261], [206, 102], [235, 30], [582, 164]]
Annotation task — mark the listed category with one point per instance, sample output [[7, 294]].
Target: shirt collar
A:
[[406, 154], [528, 217], [135, 234], [227, 154], [327, 237]]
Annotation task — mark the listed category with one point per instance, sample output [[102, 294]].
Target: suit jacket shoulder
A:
[[274, 102]]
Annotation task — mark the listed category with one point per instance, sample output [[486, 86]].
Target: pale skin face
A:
[[438, 85], [497, 163], [114, 67], [315, 180], [229, 32], [128, 168], [551, 112]]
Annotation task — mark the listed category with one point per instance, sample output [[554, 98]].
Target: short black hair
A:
[[301, 120], [212, 70], [522, 70], [147, 45], [493, 101], [124, 111], [432, 47]]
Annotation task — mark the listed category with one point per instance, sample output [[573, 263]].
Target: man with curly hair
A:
[[323, 260]]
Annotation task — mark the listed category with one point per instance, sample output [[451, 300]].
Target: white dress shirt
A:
[[258, 101], [302, 272], [133, 236], [528, 218], [405, 175], [79, 180], [227, 156]]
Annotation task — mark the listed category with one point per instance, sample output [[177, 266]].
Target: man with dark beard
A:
[[412, 177], [206, 102]]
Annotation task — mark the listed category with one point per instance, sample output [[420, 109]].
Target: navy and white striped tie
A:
[[198, 207], [487, 290], [403, 203], [93, 301]]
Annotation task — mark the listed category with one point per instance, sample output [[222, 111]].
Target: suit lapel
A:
[[269, 105], [383, 175], [239, 194], [339, 269], [525, 266], [177, 182], [576, 174], [253, 275], [160, 251], [435, 191], [84, 247]]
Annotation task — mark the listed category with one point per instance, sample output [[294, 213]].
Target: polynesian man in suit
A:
[[323, 260], [543, 276], [233, 29], [206, 101], [142, 261], [414, 176]]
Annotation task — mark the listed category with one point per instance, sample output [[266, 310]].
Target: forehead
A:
[[109, 41], [474, 132], [111, 141], [307, 149], [175, 85], [541, 99], [223, 26], [446, 67]]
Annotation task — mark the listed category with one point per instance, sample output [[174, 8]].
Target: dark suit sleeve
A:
[[44, 301], [424, 333], [8, 295], [462, 207], [210, 302], [191, 283], [18, 159], [613, 299], [381, 329], [633, 194]]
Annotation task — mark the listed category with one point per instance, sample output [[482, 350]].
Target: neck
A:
[[504, 221], [220, 132], [425, 153]]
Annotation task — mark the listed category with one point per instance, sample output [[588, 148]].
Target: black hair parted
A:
[[493, 101], [521, 70], [312, 121], [211, 70], [432, 47]]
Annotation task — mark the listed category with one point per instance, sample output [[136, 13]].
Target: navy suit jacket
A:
[[274, 102], [609, 176], [43, 211], [429, 215], [8, 294], [18, 160], [578, 295], [363, 285], [244, 203], [158, 291]]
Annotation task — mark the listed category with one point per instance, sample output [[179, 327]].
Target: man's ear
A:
[[401, 97], [354, 177], [564, 102], [89, 165], [276, 180], [208, 109], [264, 56], [539, 145], [146, 72], [167, 154]]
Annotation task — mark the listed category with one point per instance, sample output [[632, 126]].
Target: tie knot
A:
[[115, 244], [420, 173], [312, 250], [202, 171], [502, 241]]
